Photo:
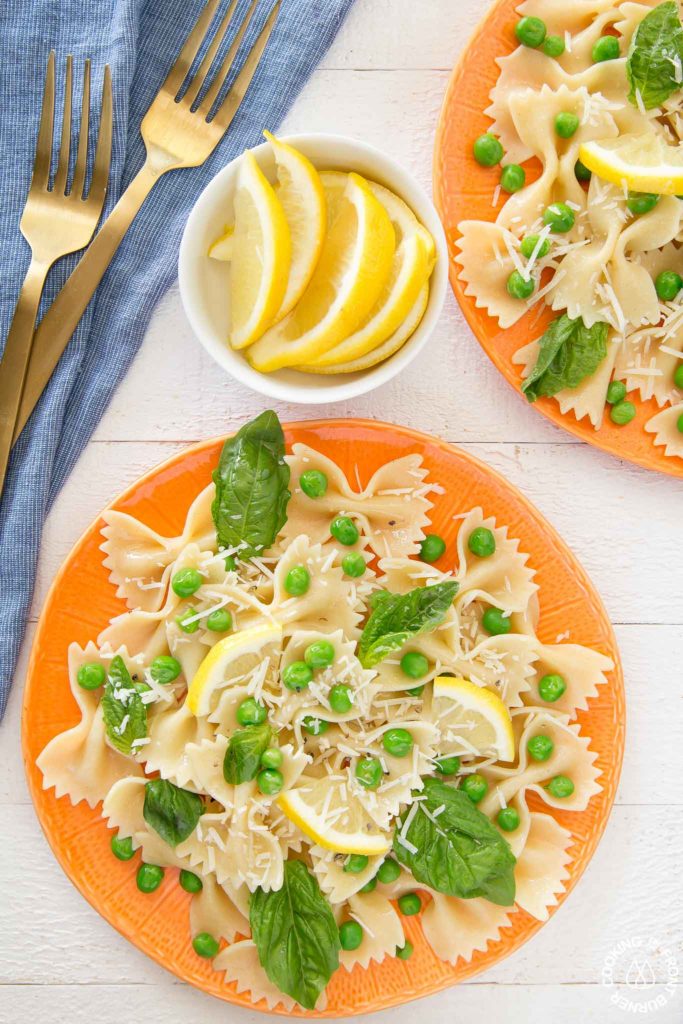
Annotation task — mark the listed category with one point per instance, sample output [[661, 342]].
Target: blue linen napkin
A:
[[139, 40]]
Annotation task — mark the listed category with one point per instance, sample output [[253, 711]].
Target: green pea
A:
[[553, 46], [508, 819], [190, 882], [668, 284], [487, 150], [581, 172], [416, 691], [184, 624], [528, 246], [397, 742], [341, 698], [481, 542], [219, 621], [149, 877], [344, 530], [270, 781], [678, 377], [297, 580], [475, 787], [605, 48], [641, 202], [186, 582], [405, 952], [622, 413], [205, 945], [356, 863], [165, 669], [350, 935], [512, 178], [560, 217], [414, 665], [432, 548], [122, 847], [495, 622], [388, 871], [679, 424], [319, 654], [519, 287], [91, 676], [354, 565], [447, 765], [271, 758], [540, 748], [297, 676], [369, 886], [369, 772], [551, 687], [250, 712], [230, 563], [566, 124], [561, 786], [315, 726], [409, 904], [616, 392], [313, 483], [530, 31]]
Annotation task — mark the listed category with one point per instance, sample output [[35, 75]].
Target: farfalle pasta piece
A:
[[458, 928], [212, 911], [242, 968], [382, 930], [174, 733], [79, 762], [485, 258], [503, 663], [666, 429], [339, 884], [541, 869], [504, 579], [582, 668], [391, 511]]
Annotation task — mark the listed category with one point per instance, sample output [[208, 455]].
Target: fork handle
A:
[[15, 358], [61, 319]]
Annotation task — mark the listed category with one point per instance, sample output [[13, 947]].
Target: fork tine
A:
[[41, 167], [238, 89], [100, 174], [191, 48], [65, 145], [225, 68], [195, 87], [84, 128]]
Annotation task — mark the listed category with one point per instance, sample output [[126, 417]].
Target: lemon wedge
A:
[[233, 657], [474, 714], [386, 349], [222, 248], [314, 807], [644, 163], [302, 196], [353, 268], [261, 255]]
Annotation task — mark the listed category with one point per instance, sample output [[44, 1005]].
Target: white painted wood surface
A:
[[59, 962]]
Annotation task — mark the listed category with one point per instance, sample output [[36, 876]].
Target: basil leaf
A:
[[243, 756], [460, 852], [171, 811], [396, 618], [295, 934], [124, 714], [250, 507], [569, 353], [655, 54]]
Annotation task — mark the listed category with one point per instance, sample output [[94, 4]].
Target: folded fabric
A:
[[139, 39]]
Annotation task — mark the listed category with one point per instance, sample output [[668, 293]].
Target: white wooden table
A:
[[383, 81]]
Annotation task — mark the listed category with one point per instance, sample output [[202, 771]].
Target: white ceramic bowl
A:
[[204, 282]]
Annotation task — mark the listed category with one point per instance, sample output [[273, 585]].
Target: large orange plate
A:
[[464, 191], [82, 601]]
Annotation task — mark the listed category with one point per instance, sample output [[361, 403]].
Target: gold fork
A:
[[175, 135], [53, 223]]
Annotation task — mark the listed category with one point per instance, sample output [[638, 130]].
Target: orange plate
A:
[[82, 601], [464, 191]]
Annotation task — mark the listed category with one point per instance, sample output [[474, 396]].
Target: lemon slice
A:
[[354, 265], [261, 255], [301, 194], [475, 715], [332, 817], [222, 248], [645, 163], [232, 658], [386, 349]]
